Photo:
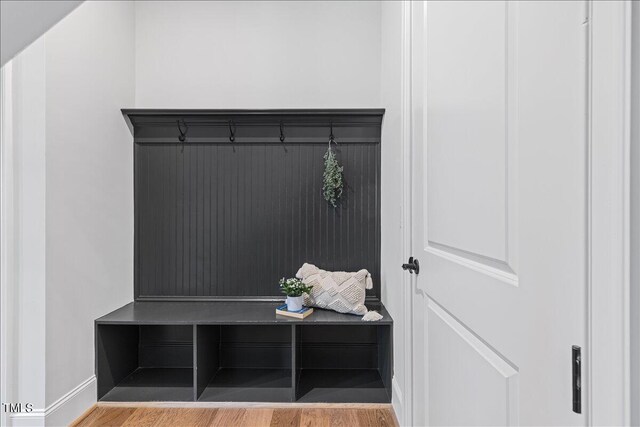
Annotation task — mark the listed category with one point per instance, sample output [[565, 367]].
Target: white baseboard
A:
[[73, 404], [31, 419], [397, 401], [63, 411]]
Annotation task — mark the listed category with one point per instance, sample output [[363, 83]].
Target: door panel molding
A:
[[493, 268], [501, 267], [497, 402]]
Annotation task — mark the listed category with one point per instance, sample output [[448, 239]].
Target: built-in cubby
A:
[[241, 352], [344, 363], [248, 363], [145, 362]]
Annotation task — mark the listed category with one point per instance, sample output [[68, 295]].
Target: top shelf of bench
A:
[[226, 313], [361, 126]]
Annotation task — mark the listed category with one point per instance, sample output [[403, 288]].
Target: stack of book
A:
[[301, 314]]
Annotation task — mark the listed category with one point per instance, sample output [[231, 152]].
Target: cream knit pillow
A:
[[339, 291]]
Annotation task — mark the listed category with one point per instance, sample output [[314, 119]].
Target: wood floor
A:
[[307, 416]]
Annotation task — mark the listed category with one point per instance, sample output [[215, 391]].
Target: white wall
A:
[[257, 54], [90, 76], [73, 170], [28, 306]]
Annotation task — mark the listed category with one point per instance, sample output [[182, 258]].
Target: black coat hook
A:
[[281, 132], [183, 134], [331, 137], [232, 131]]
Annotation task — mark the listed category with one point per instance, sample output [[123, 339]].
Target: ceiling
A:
[[22, 22]]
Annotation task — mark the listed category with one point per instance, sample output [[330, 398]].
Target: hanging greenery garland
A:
[[332, 177]]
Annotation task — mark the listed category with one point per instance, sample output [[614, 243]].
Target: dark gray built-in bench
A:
[[226, 203], [241, 351]]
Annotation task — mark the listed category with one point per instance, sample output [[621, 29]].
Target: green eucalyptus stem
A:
[[332, 178]]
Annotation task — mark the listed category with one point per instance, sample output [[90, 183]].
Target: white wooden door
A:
[[499, 219]]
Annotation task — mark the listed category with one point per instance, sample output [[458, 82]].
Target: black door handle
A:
[[413, 266]]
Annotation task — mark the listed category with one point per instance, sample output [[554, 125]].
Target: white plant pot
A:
[[294, 303]]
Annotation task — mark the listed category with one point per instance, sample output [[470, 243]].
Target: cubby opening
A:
[[145, 362], [343, 363], [244, 363]]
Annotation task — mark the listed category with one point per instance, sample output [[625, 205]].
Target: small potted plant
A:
[[294, 288]]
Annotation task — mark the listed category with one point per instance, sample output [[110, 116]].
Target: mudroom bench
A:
[[243, 352], [226, 203]]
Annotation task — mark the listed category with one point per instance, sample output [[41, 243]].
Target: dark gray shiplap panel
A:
[[225, 220]]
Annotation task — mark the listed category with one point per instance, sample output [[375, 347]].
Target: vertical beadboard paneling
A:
[[229, 221]]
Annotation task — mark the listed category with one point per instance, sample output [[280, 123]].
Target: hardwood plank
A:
[[186, 417], [315, 417], [286, 418], [107, 417], [343, 418], [375, 417], [257, 417], [228, 417], [84, 415], [192, 415], [143, 417]]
